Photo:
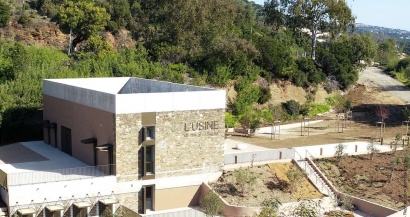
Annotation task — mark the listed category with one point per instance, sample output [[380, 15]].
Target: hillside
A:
[[232, 44], [402, 37]]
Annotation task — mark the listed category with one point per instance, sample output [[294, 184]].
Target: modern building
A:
[[116, 145]]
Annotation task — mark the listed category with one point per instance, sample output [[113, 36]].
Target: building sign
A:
[[206, 125]]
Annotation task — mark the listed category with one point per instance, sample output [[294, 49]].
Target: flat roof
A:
[[18, 153], [134, 95], [44, 158]]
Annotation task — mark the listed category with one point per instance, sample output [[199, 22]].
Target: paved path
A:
[[375, 77]]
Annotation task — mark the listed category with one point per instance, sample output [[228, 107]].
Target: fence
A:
[[258, 156], [59, 175]]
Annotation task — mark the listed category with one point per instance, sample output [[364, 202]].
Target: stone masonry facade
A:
[[180, 150], [127, 137]]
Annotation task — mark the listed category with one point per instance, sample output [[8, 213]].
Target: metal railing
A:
[[313, 176], [59, 175]]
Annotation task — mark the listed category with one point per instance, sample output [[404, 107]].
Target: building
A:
[[116, 145]]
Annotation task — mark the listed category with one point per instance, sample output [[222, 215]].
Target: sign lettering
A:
[[206, 125]]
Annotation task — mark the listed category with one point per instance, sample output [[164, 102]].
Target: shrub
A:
[[4, 13], [264, 95], [245, 99], [316, 109], [24, 20], [250, 120], [291, 107], [267, 116], [211, 204], [230, 120]]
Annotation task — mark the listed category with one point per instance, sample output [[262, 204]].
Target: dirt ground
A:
[[366, 98], [369, 179], [267, 186], [358, 175]]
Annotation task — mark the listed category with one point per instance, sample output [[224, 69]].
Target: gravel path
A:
[[377, 78]]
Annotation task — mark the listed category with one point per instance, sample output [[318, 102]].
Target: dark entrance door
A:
[[66, 140]]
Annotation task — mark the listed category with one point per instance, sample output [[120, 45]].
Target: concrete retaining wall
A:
[[258, 156], [231, 210]]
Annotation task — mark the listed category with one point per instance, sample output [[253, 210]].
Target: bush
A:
[[245, 99], [250, 120], [25, 20], [316, 109], [267, 116], [264, 95], [291, 107], [211, 204], [230, 120], [4, 13]]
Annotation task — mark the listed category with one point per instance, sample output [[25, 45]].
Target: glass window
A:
[[150, 133], [149, 153]]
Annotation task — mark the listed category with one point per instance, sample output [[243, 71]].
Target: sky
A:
[[386, 13]]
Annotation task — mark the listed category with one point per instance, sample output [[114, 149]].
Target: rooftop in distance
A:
[[127, 85], [121, 95]]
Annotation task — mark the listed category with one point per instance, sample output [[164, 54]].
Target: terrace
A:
[[35, 162]]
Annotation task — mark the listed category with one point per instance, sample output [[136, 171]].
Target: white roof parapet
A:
[[121, 95]]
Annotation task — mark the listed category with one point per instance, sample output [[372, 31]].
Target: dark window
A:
[[149, 153], [148, 133], [66, 140]]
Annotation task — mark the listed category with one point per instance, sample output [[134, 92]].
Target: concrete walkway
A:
[[284, 129]]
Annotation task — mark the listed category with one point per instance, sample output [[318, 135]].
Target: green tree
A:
[[4, 13], [83, 19], [211, 203], [318, 15], [387, 53], [250, 120], [274, 15]]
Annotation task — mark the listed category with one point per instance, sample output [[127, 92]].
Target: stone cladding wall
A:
[[179, 150], [127, 136]]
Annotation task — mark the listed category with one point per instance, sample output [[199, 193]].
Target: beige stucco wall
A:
[[177, 197], [127, 134], [84, 122], [180, 152]]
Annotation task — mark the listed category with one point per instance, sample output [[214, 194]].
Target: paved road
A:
[[375, 77]]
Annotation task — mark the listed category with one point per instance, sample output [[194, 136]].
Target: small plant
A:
[[24, 20], [270, 208], [339, 152], [245, 178], [295, 176], [347, 203], [371, 149], [211, 203]]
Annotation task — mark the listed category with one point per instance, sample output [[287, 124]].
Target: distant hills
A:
[[398, 34]]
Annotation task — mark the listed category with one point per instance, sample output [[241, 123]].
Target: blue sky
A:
[[385, 13]]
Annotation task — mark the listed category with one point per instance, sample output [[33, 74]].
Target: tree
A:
[[4, 13], [339, 152], [318, 15], [371, 148], [211, 203], [250, 120], [387, 52], [83, 19], [274, 15]]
